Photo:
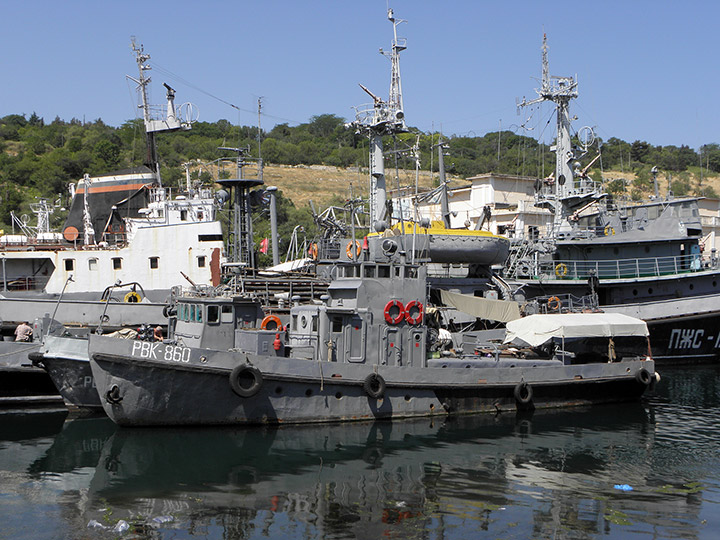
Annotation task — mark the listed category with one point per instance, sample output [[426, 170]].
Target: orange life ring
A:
[[348, 249], [271, 319], [417, 305], [554, 303], [400, 315]]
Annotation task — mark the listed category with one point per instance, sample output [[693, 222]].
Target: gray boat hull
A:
[[66, 362], [145, 384]]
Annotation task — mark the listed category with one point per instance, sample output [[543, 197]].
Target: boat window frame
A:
[[213, 314]]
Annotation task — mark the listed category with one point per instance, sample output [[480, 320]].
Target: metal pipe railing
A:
[[625, 268]]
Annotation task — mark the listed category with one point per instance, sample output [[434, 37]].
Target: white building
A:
[[511, 203], [509, 199]]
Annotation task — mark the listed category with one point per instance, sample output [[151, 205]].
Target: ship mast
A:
[[444, 202], [572, 189], [384, 118], [154, 123]]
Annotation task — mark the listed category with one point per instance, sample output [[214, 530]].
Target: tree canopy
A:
[[40, 159]]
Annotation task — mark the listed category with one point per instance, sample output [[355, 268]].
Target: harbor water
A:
[[638, 470]]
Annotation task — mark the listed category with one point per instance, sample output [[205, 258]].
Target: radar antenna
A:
[[570, 192], [380, 119], [155, 118]]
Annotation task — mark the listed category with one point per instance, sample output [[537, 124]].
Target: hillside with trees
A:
[[39, 158]]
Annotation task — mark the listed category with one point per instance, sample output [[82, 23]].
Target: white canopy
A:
[[289, 266], [537, 329]]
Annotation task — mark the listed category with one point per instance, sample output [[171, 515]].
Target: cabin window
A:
[[201, 261], [410, 272], [154, 262], [69, 265], [192, 312], [117, 263], [227, 314], [303, 321], [182, 312], [383, 271], [369, 271], [314, 323], [337, 326], [200, 215], [294, 322], [199, 313], [183, 215], [213, 314], [92, 264]]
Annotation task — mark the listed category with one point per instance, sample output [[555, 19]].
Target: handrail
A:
[[624, 268]]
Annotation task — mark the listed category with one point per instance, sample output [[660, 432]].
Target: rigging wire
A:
[[187, 83]]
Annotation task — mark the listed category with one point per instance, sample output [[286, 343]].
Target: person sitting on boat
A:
[[23, 332], [157, 333]]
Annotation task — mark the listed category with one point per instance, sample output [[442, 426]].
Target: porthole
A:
[[278, 390], [714, 283], [407, 397], [692, 286], [338, 395], [634, 292], [308, 392], [650, 290]]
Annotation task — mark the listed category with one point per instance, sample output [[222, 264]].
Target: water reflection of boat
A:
[[77, 446], [382, 475]]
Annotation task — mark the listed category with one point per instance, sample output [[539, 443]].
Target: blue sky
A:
[[647, 70]]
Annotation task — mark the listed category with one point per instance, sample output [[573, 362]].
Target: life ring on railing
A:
[[609, 231], [561, 270], [132, 297], [415, 305], [268, 319], [554, 303], [314, 251], [374, 386], [349, 251], [394, 319], [245, 380], [523, 394]]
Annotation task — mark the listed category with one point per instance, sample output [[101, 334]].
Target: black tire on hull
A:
[[523, 394], [643, 377], [374, 386], [246, 381]]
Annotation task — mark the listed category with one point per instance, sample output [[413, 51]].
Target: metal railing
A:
[[626, 268]]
